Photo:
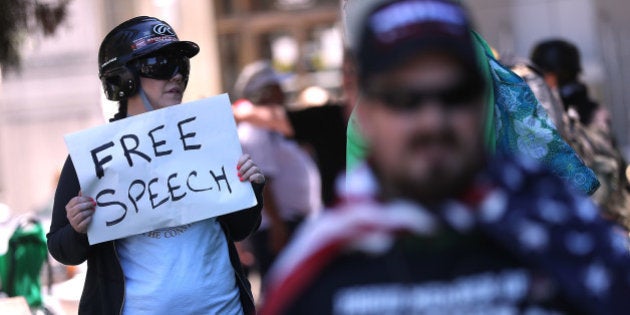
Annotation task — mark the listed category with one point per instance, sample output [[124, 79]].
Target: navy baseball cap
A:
[[396, 30]]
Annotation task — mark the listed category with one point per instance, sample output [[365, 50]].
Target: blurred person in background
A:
[[317, 121], [559, 61], [586, 124], [432, 223], [292, 191], [144, 66]]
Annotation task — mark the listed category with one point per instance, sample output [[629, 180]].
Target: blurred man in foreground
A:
[[430, 223], [293, 190]]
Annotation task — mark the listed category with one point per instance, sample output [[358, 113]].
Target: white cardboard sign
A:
[[163, 168]]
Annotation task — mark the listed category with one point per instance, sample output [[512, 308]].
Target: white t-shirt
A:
[[179, 270], [295, 180]]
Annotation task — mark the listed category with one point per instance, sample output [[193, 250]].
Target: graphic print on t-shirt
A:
[[168, 232]]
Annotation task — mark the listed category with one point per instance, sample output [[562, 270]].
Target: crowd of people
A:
[[451, 180]]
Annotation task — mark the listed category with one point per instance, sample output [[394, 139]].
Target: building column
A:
[[197, 23]]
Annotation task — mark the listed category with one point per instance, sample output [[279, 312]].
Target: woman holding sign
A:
[[193, 269]]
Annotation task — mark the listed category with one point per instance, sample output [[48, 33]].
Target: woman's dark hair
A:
[[562, 58], [559, 57], [122, 110]]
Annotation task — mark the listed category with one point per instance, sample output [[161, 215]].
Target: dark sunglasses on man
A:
[[460, 94], [162, 66]]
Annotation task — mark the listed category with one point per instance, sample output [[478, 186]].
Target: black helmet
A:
[[132, 39]]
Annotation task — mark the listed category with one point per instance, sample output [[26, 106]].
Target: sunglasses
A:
[[162, 67], [459, 95]]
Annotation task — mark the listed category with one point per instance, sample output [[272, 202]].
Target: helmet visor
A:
[[162, 67]]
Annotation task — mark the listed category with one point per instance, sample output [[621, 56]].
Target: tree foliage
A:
[[21, 18]]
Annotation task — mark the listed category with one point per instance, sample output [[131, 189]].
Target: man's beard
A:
[[440, 182], [439, 185]]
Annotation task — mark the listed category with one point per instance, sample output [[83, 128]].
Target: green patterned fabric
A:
[[523, 128], [355, 144], [516, 124], [483, 50]]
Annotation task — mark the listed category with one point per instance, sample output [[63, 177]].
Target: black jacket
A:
[[103, 292]]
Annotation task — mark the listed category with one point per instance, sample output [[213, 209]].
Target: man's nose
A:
[[431, 114]]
